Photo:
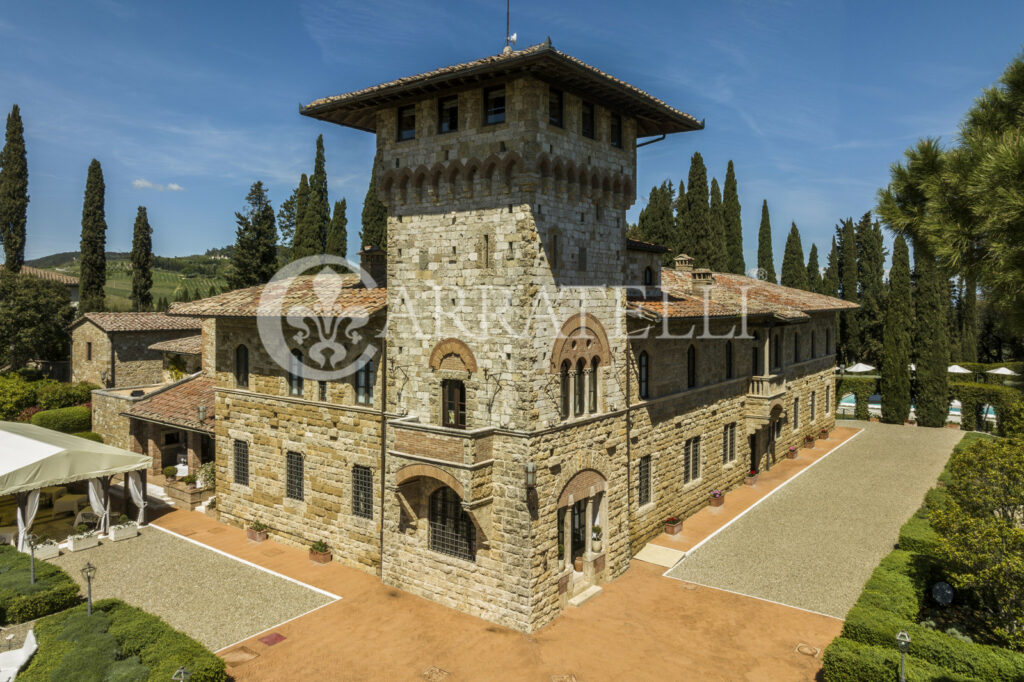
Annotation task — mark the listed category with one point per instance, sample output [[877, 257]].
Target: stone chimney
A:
[[702, 280], [683, 264], [374, 260]]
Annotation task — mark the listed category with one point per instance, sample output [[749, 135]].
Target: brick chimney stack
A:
[[683, 264], [374, 260], [702, 279]]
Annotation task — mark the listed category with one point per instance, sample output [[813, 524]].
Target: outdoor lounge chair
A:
[[11, 662]]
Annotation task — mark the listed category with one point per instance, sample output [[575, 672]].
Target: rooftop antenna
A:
[[510, 38]]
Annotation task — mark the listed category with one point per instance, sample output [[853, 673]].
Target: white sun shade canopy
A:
[[32, 457], [957, 369], [1004, 371], [859, 367]]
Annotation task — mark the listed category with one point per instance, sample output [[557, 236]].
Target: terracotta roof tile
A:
[[186, 345], [179, 405], [330, 296], [51, 275], [138, 322]]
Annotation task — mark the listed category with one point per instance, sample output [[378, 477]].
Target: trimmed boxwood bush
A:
[[52, 395], [54, 590], [118, 642], [65, 419], [90, 435], [848, 661]]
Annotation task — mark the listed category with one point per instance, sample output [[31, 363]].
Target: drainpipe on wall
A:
[[629, 452], [382, 372]]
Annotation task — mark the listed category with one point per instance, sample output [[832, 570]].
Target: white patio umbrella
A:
[[913, 367], [859, 367], [1004, 371], [957, 369]]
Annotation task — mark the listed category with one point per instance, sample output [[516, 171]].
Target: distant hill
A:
[[66, 258]]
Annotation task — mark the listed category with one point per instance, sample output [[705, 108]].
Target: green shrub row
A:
[[848, 661], [862, 389], [51, 395], [65, 419], [20, 601], [18, 394], [973, 396], [118, 642]]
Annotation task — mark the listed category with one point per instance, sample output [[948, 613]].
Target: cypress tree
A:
[[765, 261], [718, 235], [656, 224], [849, 320], [374, 218], [733, 224], [142, 262], [301, 199], [794, 272], [337, 234], [931, 344], [93, 275], [895, 382], [254, 257], [813, 271], [695, 231], [13, 192], [315, 215], [871, 269], [830, 280]]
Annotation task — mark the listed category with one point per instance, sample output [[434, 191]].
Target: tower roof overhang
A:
[[359, 109]]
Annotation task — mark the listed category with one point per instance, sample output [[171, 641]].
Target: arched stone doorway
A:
[[763, 440], [582, 507]]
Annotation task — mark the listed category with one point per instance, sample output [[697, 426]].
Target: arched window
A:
[[796, 348], [295, 373], [648, 277], [580, 388], [593, 384], [366, 377], [642, 363], [241, 367], [566, 390], [728, 360], [691, 366], [453, 404], [451, 530]]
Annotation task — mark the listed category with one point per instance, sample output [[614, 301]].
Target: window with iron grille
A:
[[451, 530], [644, 494], [828, 401], [691, 459], [241, 462], [796, 413], [729, 443], [321, 390], [362, 491], [587, 120], [294, 483]]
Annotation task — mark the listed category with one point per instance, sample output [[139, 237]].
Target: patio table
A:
[[50, 493], [69, 503], [8, 534]]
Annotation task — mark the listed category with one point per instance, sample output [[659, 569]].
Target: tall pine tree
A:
[[895, 367], [733, 224], [312, 221], [142, 262], [813, 271], [765, 260], [254, 258], [656, 224], [794, 272], [871, 271], [374, 218], [830, 280], [849, 320], [337, 234], [931, 344], [13, 192], [286, 213], [93, 274], [718, 235]]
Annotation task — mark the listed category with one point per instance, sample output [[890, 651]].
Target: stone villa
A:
[[473, 468]]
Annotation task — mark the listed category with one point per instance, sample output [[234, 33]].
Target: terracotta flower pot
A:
[[791, 453], [256, 535], [717, 501], [809, 442], [674, 528], [823, 434], [577, 564], [751, 480], [320, 557]]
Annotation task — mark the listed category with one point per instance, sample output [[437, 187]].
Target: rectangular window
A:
[[814, 405], [796, 413], [615, 133], [587, 120], [447, 114], [644, 494], [241, 462], [555, 107], [88, 350], [554, 251], [828, 402], [362, 491], [691, 459], [453, 407], [583, 258], [494, 105], [294, 485], [729, 443], [321, 391], [407, 122]]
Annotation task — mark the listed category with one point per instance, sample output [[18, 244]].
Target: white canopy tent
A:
[[32, 457], [957, 369], [859, 367], [1003, 371]]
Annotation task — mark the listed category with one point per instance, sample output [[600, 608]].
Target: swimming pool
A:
[[848, 404]]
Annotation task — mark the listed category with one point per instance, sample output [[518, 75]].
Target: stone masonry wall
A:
[[97, 369]]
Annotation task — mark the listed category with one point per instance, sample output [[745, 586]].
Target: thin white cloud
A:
[[142, 183]]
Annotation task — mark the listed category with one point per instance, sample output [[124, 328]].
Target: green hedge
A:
[[20, 601], [973, 396], [65, 419], [848, 661], [16, 394], [90, 435], [118, 642], [862, 389], [51, 395]]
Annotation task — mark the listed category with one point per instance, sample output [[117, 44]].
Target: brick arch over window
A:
[[414, 471], [581, 337], [584, 484], [454, 355]]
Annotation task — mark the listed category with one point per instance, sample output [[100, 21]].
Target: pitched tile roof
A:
[[729, 295], [179, 405], [138, 322], [637, 245], [186, 345], [325, 295], [654, 117], [51, 275]]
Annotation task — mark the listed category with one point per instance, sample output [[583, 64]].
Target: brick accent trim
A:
[[582, 336], [452, 354], [412, 471], [584, 484]]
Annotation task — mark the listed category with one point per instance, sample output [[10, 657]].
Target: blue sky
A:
[[187, 103]]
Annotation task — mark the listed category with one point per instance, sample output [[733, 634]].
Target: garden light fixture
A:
[[903, 642], [531, 475], [89, 572]]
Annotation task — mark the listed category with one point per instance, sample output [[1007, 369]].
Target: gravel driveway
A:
[[212, 598], [815, 542]]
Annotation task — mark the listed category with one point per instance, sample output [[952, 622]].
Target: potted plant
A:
[[791, 452], [595, 539], [320, 552], [257, 532], [717, 498], [189, 481], [823, 434], [124, 529], [673, 525], [751, 477], [809, 441], [208, 475], [47, 548], [84, 538], [170, 473]]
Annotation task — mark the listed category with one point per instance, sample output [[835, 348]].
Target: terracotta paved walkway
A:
[[642, 626]]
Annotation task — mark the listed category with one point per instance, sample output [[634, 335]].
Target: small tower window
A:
[[555, 107], [494, 105], [447, 114], [642, 364], [295, 374], [648, 277], [242, 367], [594, 367], [587, 120], [406, 123], [615, 134], [453, 408], [565, 389]]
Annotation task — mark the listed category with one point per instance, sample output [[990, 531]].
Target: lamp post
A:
[[89, 572], [181, 675], [903, 642], [32, 539]]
